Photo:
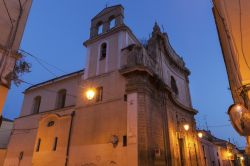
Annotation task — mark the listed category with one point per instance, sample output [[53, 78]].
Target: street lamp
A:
[[241, 158], [186, 127], [200, 134], [90, 94]]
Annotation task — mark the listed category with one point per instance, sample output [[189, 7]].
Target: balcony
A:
[[136, 57]]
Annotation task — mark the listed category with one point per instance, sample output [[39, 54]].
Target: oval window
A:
[[51, 123]]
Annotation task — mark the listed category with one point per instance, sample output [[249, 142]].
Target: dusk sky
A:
[[56, 30]]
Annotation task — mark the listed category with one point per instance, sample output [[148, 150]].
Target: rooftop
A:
[[79, 72]]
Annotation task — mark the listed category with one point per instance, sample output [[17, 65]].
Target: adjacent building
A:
[[5, 133], [218, 152], [232, 21], [13, 16]]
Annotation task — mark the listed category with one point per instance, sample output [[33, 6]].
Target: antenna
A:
[[205, 119], [163, 29], [107, 4]]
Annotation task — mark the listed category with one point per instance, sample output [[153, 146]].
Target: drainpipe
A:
[[69, 138]]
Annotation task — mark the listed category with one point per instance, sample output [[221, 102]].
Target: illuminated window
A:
[[103, 51], [99, 92], [38, 145], [55, 144], [36, 104], [174, 86], [111, 22], [61, 98]]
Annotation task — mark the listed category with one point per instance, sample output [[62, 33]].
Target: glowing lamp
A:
[[200, 134], [229, 154], [241, 158], [90, 94], [186, 127]]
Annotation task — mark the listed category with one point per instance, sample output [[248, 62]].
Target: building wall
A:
[[229, 11], [176, 119], [5, 132], [52, 140], [29, 127], [2, 155], [95, 123], [210, 153], [114, 60], [232, 23], [169, 70], [22, 141], [26, 132], [11, 34], [48, 95], [5, 24]]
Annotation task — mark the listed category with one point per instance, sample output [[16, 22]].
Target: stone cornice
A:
[[158, 83], [54, 111], [169, 52], [109, 33]]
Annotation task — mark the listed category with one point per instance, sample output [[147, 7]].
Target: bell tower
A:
[[108, 36], [108, 18]]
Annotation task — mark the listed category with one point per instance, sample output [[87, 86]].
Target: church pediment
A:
[[107, 10]]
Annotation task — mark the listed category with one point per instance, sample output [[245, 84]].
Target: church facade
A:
[[130, 106]]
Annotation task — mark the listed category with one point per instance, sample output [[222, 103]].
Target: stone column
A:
[[119, 20], [132, 129], [106, 26]]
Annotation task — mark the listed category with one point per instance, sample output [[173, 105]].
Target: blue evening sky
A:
[[56, 30]]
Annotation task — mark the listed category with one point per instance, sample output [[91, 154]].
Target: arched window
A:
[[61, 98], [103, 51], [174, 86], [36, 104], [99, 28], [111, 22]]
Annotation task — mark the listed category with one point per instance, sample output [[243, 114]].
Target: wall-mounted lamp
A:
[[229, 154], [114, 140], [200, 134], [241, 158], [90, 93], [186, 127]]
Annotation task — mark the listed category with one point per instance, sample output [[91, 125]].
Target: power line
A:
[[32, 55], [241, 37], [229, 36], [7, 10], [41, 61], [42, 65], [223, 125], [241, 33]]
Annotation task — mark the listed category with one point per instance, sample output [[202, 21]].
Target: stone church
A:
[[130, 106]]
